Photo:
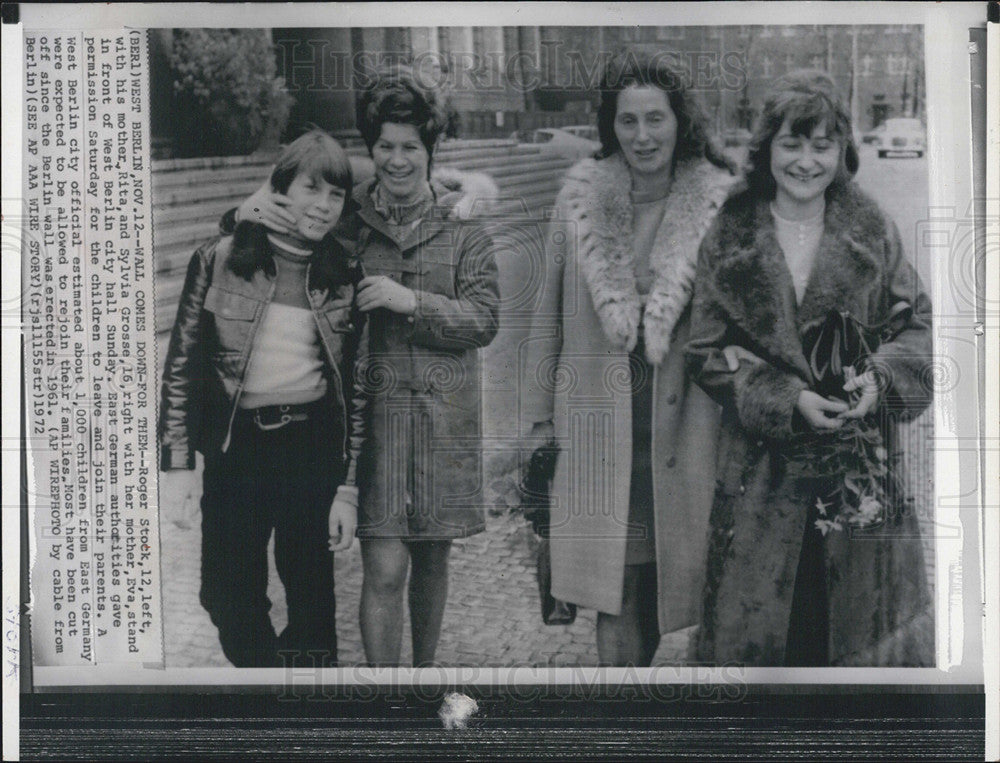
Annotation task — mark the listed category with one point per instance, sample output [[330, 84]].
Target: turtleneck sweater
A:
[[286, 365]]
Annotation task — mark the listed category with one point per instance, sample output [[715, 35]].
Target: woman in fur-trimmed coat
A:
[[633, 481], [802, 241]]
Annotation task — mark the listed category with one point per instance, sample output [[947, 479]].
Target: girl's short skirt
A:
[[420, 471]]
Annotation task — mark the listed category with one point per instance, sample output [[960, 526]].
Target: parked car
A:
[[554, 141], [583, 131], [873, 134], [901, 135]]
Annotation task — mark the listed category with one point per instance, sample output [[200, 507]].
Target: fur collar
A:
[[753, 285], [467, 195], [595, 198]]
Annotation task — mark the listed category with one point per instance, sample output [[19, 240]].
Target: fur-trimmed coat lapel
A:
[[595, 197], [754, 284]]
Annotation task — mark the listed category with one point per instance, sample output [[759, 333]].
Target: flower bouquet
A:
[[852, 462]]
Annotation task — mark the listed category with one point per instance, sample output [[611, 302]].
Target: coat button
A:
[[743, 489], [671, 462], [409, 319], [350, 327], [760, 443], [672, 398]]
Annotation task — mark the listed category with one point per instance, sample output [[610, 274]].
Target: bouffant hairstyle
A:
[[396, 96], [317, 154], [806, 98], [636, 68]]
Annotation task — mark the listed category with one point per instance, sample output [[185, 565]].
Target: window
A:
[[789, 31], [767, 65], [715, 32], [866, 65], [631, 34]]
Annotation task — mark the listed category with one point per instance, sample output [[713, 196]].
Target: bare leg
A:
[[632, 637], [428, 594], [385, 561]]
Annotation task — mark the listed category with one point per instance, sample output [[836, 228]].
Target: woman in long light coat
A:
[[605, 372]]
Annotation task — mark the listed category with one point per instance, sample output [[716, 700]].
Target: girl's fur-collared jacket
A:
[[577, 376], [744, 296]]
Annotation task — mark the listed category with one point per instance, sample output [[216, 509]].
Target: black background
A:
[[529, 723]]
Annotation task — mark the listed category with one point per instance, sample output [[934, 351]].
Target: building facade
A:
[[500, 79]]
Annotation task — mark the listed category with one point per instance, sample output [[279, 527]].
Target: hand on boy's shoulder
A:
[[268, 208]]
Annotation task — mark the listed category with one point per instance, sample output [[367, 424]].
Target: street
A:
[[900, 186]]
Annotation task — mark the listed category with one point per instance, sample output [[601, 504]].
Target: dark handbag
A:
[[838, 341], [534, 491], [554, 611]]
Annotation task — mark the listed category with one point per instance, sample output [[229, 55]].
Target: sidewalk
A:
[[492, 618]]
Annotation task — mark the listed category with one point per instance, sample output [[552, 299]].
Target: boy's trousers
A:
[[282, 479]]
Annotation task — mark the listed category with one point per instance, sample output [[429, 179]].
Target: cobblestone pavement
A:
[[492, 617]]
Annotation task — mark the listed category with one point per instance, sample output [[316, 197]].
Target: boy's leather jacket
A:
[[209, 352]]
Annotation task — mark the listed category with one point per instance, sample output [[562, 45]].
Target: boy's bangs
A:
[[317, 156], [328, 166]]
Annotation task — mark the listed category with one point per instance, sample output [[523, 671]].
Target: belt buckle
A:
[[285, 418]]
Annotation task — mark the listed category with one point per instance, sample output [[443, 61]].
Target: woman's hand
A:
[[178, 496], [734, 354], [867, 386], [382, 291], [820, 412], [343, 519], [266, 207]]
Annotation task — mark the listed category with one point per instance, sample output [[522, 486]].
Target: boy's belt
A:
[[269, 417]]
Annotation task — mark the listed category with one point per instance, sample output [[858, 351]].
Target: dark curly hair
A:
[[318, 154], [806, 98], [396, 96], [637, 68]]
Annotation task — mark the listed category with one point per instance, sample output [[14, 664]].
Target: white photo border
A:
[[959, 622]]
